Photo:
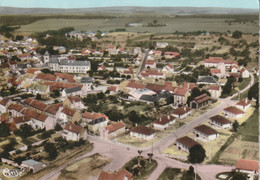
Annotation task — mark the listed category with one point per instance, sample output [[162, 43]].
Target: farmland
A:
[[109, 22]]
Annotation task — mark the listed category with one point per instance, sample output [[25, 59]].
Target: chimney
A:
[[246, 100], [135, 124], [169, 117], [188, 85], [70, 126], [160, 119], [185, 108]]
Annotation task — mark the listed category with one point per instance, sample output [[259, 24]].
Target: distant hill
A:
[[160, 10]]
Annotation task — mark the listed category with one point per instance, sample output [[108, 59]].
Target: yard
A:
[[143, 171], [85, 168], [176, 174]]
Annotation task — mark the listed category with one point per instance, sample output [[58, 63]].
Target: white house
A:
[[74, 91], [96, 124], [244, 73], [142, 132], [220, 122], [234, 69], [180, 96], [3, 105], [215, 91], [247, 166], [164, 122], [185, 143], [112, 130], [205, 133], [169, 68], [150, 64], [182, 112], [72, 132], [15, 110], [233, 112], [243, 104]]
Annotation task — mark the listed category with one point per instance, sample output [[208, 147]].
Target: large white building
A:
[[68, 65]]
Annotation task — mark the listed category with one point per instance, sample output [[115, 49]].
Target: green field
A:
[[250, 130], [173, 24]]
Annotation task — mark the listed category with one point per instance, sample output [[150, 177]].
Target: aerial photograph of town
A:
[[129, 90]]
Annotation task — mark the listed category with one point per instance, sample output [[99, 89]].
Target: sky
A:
[[252, 4]]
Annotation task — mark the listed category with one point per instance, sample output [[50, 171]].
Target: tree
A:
[[55, 93], [38, 96], [47, 71], [4, 131], [150, 155], [197, 154], [254, 93], [191, 170], [237, 34], [19, 37], [139, 157], [204, 91], [50, 148], [133, 116], [235, 126], [101, 95], [195, 92], [24, 131], [238, 176]]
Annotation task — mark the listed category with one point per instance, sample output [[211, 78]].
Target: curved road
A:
[[120, 154]]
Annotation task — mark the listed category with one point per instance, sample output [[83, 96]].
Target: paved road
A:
[[119, 154]]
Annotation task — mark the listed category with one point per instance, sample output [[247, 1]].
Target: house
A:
[[243, 104], [170, 55], [215, 61], [45, 77], [87, 83], [96, 124], [73, 91], [90, 116], [15, 110], [169, 68], [161, 44], [142, 132], [189, 85], [149, 98], [64, 77], [247, 166], [112, 89], [215, 91], [135, 94], [122, 174], [73, 102], [150, 64], [164, 122], [32, 165], [112, 130], [152, 73], [54, 111], [101, 68], [18, 121], [185, 143], [200, 101], [35, 104], [4, 103], [72, 132], [205, 133], [244, 73], [234, 69], [180, 96], [233, 112], [182, 112], [157, 54], [134, 85], [69, 115], [220, 122]]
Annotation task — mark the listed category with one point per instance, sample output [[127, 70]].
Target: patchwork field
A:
[[186, 24]]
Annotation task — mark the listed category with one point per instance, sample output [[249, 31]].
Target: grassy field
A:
[[85, 168], [181, 24], [250, 130]]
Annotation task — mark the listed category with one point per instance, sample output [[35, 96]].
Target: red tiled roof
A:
[[3, 118], [32, 70], [170, 66], [73, 128], [53, 109], [214, 60], [69, 112], [244, 102], [112, 88], [21, 119], [213, 87], [26, 55], [242, 70], [143, 130], [186, 141], [4, 102], [102, 67], [230, 62], [135, 85], [16, 107], [234, 66], [206, 130], [69, 77], [12, 80], [234, 110], [220, 119], [246, 164], [74, 99], [201, 98], [182, 110], [114, 127], [153, 72], [157, 52], [189, 86], [214, 71], [58, 85], [120, 175], [180, 91], [34, 115], [46, 77], [155, 87], [165, 119], [236, 75], [150, 62], [93, 115], [11, 126], [35, 104], [175, 54]]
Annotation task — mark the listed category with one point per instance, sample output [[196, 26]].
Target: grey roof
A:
[[74, 63], [73, 89], [53, 59], [149, 98], [97, 121], [164, 94], [86, 80], [31, 162], [22, 66], [207, 79], [46, 53]]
